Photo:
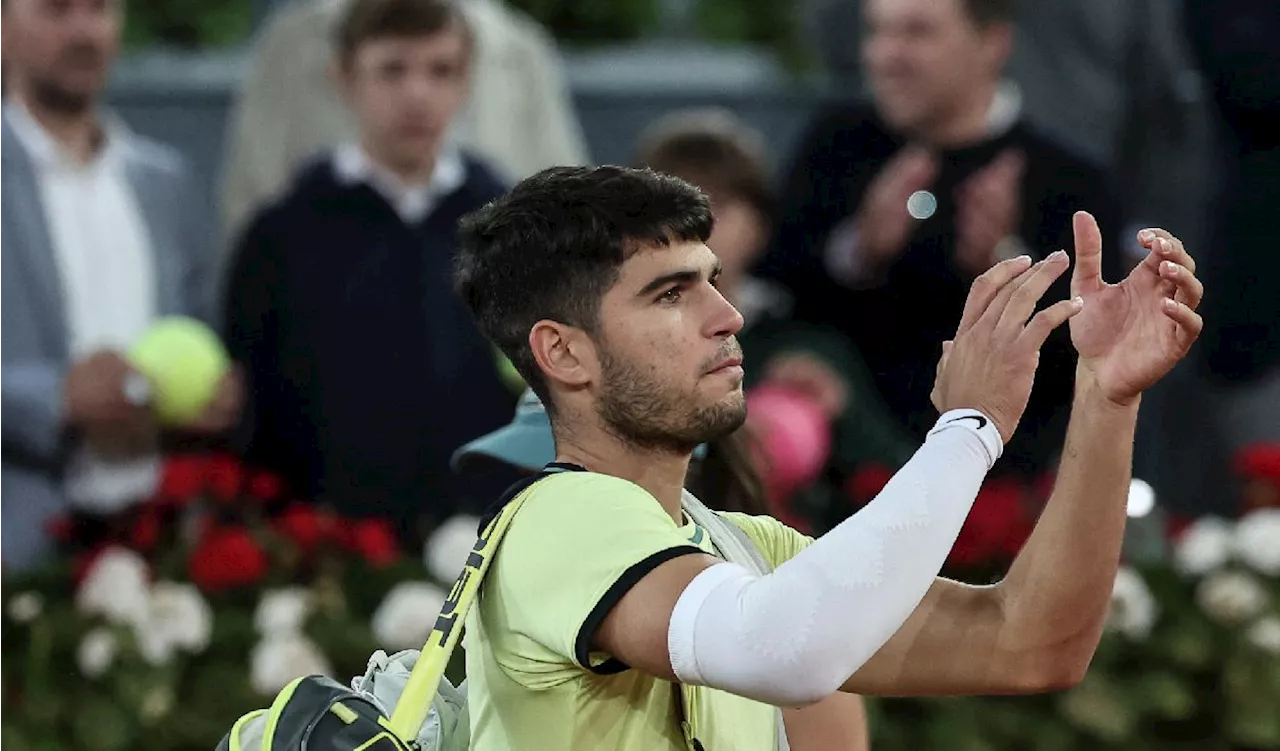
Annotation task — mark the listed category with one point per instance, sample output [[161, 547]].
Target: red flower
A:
[[308, 526], [864, 484], [227, 558], [83, 562], [376, 541], [183, 478], [1177, 524], [1258, 461], [61, 528], [145, 533], [997, 527], [265, 486], [226, 478]]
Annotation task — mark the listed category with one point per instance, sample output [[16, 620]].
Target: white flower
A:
[[96, 652], [1257, 541], [1265, 635], [283, 611], [178, 617], [116, 587], [1133, 608], [1205, 547], [406, 616], [25, 607], [1231, 597], [280, 658], [448, 547]]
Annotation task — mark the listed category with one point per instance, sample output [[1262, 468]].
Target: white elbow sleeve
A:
[[796, 635]]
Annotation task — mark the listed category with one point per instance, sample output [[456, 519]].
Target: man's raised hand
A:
[[990, 366], [1132, 333]]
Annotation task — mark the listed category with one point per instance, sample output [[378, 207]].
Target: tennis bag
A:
[[404, 702]]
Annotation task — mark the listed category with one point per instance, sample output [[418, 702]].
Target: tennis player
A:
[[526, 445], [604, 599]]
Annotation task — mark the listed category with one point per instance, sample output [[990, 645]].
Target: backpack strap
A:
[[728, 537], [419, 691], [736, 547]]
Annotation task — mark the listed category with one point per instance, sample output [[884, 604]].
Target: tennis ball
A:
[[185, 361]]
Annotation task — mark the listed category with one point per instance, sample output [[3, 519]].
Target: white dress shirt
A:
[[412, 202], [103, 256]]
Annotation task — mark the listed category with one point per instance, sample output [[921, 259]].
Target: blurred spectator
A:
[[1235, 43], [1230, 397], [1113, 80], [519, 114], [103, 233], [726, 159], [893, 209], [366, 371]]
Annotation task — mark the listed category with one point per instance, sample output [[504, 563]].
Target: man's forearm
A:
[[1056, 594]]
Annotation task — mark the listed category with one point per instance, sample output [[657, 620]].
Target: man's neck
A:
[[79, 133], [661, 473], [970, 124]]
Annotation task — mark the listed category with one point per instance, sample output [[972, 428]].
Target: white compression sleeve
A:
[[796, 635]]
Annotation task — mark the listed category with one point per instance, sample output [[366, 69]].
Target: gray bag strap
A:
[[736, 547]]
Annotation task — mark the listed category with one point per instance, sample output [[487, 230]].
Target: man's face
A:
[[924, 59], [405, 91], [671, 365], [61, 50]]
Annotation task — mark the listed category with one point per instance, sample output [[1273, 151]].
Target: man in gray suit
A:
[[102, 235]]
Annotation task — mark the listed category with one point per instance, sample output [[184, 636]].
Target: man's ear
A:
[[564, 353]]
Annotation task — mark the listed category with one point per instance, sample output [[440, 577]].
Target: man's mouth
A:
[[729, 365]]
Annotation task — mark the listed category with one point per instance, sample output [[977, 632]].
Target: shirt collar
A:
[[353, 166], [47, 154]]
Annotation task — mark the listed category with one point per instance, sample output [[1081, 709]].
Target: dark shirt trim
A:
[[624, 583]]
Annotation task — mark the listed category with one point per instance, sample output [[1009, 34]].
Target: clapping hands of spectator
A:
[[988, 210]]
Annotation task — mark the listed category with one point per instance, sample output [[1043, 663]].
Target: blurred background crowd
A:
[[291, 174]]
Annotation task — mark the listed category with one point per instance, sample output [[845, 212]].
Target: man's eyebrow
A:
[[684, 276]]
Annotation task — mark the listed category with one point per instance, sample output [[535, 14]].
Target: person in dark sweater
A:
[[893, 208], [365, 369]]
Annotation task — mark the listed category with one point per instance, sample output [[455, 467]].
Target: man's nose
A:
[[727, 321]]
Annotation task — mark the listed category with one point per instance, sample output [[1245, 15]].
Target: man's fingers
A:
[[1189, 322], [1086, 277], [1190, 290], [1171, 249], [1044, 322], [986, 287], [1164, 246], [1022, 300]]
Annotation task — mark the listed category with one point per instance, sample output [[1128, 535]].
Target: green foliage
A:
[[188, 24]]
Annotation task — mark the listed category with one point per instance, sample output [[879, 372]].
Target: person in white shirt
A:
[[102, 235]]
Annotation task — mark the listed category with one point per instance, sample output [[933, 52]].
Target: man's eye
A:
[[670, 296]]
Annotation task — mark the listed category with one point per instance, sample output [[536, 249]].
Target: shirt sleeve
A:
[[777, 542], [579, 543]]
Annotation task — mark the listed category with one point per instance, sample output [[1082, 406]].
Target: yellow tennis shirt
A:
[[535, 681]]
